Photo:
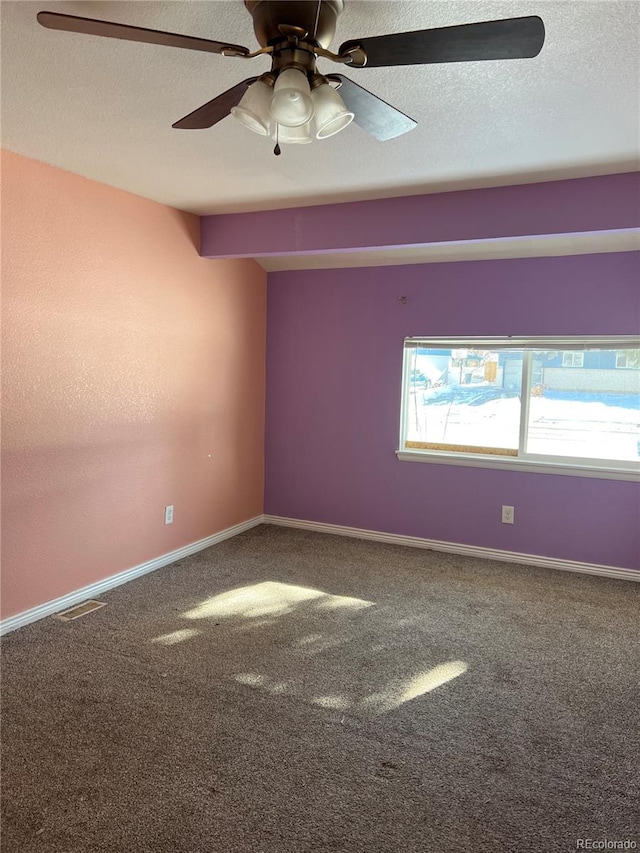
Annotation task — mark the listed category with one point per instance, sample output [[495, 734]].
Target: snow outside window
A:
[[514, 402]]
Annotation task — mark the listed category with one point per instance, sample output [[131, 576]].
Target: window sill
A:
[[564, 468]]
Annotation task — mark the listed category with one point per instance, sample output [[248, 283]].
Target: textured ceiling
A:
[[104, 108]]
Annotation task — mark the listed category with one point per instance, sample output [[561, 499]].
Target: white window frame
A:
[[621, 366], [568, 466]]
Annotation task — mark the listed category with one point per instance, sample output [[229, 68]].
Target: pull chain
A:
[[277, 150]]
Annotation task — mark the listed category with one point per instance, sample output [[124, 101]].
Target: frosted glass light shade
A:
[[291, 104], [253, 110], [299, 135], [331, 114]]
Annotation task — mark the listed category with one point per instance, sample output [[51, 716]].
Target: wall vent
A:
[[79, 610]]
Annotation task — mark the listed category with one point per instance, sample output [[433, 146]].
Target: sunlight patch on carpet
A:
[[391, 697], [176, 636], [270, 598], [339, 703], [427, 681]]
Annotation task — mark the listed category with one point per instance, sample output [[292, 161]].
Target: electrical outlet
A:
[[168, 514], [507, 515]]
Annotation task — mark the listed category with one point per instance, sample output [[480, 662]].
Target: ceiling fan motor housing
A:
[[319, 23]]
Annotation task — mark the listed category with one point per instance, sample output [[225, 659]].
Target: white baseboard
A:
[[95, 589], [455, 548]]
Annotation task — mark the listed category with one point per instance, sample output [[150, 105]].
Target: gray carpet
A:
[[288, 691]]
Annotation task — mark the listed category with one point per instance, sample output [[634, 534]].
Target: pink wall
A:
[[134, 376]]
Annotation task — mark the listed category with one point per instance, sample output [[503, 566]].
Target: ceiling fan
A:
[[287, 101]]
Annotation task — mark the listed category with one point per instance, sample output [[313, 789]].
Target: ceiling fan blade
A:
[[214, 111], [108, 29], [373, 114], [513, 38]]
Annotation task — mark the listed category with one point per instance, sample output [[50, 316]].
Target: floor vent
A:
[[79, 610]]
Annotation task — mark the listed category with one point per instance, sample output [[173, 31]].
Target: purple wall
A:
[[334, 359], [581, 205]]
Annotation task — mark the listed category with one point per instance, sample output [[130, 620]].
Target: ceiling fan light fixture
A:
[[295, 34], [298, 135], [253, 110], [330, 112], [291, 104]]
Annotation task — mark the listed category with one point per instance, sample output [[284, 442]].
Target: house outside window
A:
[[557, 405]]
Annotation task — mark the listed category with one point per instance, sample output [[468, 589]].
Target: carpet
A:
[[288, 692]]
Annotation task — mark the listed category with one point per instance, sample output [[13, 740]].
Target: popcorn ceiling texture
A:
[[133, 378], [104, 108]]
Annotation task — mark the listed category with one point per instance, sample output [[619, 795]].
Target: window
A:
[[628, 358], [549, 404], [572, 359]]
